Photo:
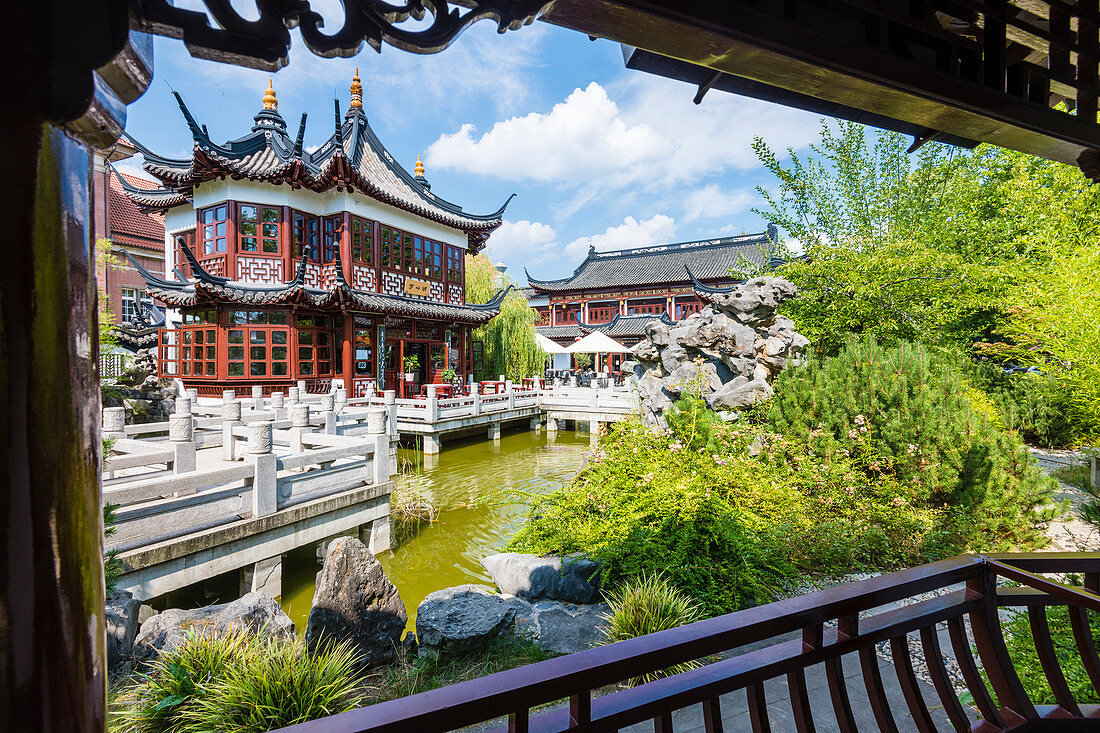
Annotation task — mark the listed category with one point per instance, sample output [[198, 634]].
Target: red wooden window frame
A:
[[602, 313], [455, 264], [684, 308], [653, 308], [264, 233], [198, 344], [569, 313], [184, 239], [410, 253], [305, 232], [258, 344], [168, 363], [332, 228], [315, 345], [214, 222], [362, 240]]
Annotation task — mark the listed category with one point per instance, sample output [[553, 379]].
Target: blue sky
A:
[[597, 154]]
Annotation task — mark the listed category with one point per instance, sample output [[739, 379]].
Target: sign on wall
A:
[[416, 288]]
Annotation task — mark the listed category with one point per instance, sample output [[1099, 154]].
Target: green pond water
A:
[[478, 487]]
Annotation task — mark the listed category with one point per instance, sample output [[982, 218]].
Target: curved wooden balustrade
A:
[[833, 623]]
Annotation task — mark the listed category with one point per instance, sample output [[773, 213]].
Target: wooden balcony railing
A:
[[832, 623]]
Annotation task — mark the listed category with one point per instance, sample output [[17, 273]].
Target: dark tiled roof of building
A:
[[353, 157], [207, 288], [129, 224], [572, 331], [709, 259], [632, 325]]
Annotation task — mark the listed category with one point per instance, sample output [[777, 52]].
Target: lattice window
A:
[[132, 302], [258, 344], [454, 264], [305, 232], [362, 244], [215, 228], [258, 228]]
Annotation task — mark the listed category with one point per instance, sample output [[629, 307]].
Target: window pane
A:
[[221, 245], [211, 369], [305, 321], [257, 352], [221, 212], [236, 336], [278, 353], [198, 337], [248, 213], [278, 318], [236, 368], [258, 368], [248, 228], [186, 352], [211, 352], [236, 352], [270, 230], [257, 337], [322, 320], [219, 230], [278, 369], [186, 337], [257, 317], [271, 215], [186, 367], [271, 245], [208, 216], [277, 337], [305, 337], [305, 352], [248, 244], [305, 367], [322, 338]]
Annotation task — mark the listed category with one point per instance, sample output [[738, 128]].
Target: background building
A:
[[619, 292]]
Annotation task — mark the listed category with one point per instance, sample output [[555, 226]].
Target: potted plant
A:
[[450, 376], [412, 363]]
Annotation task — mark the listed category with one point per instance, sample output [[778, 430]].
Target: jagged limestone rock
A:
[[728, 352]]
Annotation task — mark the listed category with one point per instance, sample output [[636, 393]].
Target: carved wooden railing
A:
[[830, 625]]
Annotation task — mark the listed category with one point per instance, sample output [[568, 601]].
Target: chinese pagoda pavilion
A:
[[619, 292], [288, 265]]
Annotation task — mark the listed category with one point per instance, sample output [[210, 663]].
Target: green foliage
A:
[[907, 416], [411, 363], [874, 459], [583, 361], [106, 261], [647, 605], [1021, 648], [241, 682], [112, 563], [509, 337], [409, 675]]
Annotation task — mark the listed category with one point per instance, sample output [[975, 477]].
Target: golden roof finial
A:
[[356, 90], [270, 102], [419, 170]]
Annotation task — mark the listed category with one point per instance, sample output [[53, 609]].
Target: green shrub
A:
[[1021, 648], [647, 605], [903, 414], [240, 682], [112, 563]]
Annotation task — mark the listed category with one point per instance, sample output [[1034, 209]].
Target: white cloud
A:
[[710, 202], [631, 233], [581, 138], [530, 242], [645, 133]]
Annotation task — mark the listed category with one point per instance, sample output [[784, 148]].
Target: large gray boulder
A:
[[563, 628], [531, 577], [463, 619], [257, 613], [122, 626], [355, 601]]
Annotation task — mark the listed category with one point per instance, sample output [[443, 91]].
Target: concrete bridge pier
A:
[[432, 444], [376, 535], [494, 432], [536, 423], [265, 576], [551, 424], [582, 426]]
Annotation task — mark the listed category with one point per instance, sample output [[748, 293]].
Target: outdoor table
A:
[[496, 385], [531, 383]]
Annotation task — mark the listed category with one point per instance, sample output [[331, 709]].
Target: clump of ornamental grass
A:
[[646, 605], [410, 510], [240, 682]]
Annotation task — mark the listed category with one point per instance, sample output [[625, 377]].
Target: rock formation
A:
[[145, 397], [727, 353], [355, 601], [122, 614], [255, 612], [531, 577], [463, 619]]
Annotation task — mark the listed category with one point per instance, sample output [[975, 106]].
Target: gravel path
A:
[[1069, 534]]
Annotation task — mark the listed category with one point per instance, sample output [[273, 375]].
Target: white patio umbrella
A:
[[597, 343], [548, 346]]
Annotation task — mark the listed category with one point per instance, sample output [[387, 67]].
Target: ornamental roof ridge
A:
[[267, 153], [741, 239]]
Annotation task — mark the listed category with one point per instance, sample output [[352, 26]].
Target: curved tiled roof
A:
[[353, 157], [129, 225], [631, 325], [709, 259]]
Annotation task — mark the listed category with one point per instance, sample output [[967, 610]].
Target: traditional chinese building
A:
[[619, 292], [288, 265]]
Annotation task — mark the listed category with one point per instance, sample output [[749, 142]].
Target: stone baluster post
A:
[[114, 422], [228, 395], [328, 412], [277, 405], [377, 429], [341, 399], [302, 387], [299, 425], [257, 398], [183, 406], [181, 436], [231, 418], [293, 395], [477, 401], [389, 399], [511, 395], [265, 462], [432, 405]]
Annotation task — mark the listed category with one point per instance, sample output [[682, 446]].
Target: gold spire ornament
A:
[[419, 170], [356, 91], [270, 102]]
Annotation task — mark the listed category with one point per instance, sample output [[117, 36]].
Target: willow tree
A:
[[509, 338]]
